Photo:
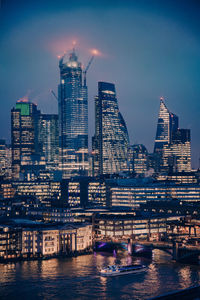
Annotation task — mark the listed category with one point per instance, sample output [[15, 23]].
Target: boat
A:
[[122, 270]]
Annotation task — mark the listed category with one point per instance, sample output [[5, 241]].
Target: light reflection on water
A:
[[78, 278]]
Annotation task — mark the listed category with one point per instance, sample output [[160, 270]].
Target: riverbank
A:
[[5, 260]]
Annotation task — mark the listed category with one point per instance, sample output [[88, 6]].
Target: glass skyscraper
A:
[[48, 139], [177, 154], [138, 156], [73, 117], [167, 124], [111, 140], [24, 135], [172, 148]]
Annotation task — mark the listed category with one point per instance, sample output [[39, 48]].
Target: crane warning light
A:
[[95, 52]]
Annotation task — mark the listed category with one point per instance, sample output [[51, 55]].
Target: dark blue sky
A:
[[149, 49]]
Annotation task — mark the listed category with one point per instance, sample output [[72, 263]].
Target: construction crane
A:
[[54, 94], [86, 69]]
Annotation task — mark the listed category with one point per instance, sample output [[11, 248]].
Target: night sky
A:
[[149, 49]]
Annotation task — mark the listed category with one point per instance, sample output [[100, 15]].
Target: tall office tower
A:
[[138, 159], [111, 141], [24, 121], [172, 150], [2, 157], [48, 139], [73, 117], [177, 154], [5, 160], [166, 126]]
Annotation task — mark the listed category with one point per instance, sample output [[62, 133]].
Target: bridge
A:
[[178, 252]]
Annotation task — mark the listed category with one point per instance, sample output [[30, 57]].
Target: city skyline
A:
[[99, 149], [173, 52]]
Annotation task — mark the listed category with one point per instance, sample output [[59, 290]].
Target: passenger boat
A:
[[122, 270]]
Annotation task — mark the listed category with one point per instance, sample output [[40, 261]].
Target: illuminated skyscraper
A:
[[167, 124], [24, 131], [172, 148], [48, 139], [73, 117], [2, 157], [111, 141], [138, 159], [5, 160], [177, 154]]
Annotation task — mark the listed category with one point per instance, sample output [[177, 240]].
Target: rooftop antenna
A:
[[162, 98], [74, 44]]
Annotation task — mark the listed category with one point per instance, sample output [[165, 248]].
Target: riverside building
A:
[[126, 225], [31, 239]]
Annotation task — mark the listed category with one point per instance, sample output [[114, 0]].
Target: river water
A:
[[78, 278]]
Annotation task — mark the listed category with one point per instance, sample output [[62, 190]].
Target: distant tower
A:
[[111, 141], [177, 154], [48, 139], [167, 124], [5, 160], [172, 149], [73, 118], [24, 135], [139, 159]]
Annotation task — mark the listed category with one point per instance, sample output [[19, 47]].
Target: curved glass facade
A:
[[110, 143]]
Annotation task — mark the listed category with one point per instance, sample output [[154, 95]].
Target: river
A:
[[78, 278]]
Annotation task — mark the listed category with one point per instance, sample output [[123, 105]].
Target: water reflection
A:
[[78, 278]]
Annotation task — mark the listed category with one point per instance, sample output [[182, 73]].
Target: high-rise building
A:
[[167, 124], [5, 160], [177, 154], [138, 156], [2, 157], [111, 141], [172, 149], [73, 117], [24, 131], [48, 139]]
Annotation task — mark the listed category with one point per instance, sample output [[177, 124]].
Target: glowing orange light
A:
[[95, 52], [23, 100]]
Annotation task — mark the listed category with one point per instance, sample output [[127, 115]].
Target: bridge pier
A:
[[130, 246], [175, 250]]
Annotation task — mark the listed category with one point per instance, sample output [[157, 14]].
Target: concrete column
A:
[[175, 250], [195, 232], [130, 244]]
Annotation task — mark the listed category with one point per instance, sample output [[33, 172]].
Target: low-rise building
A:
[[128, 225], [31, 239]]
